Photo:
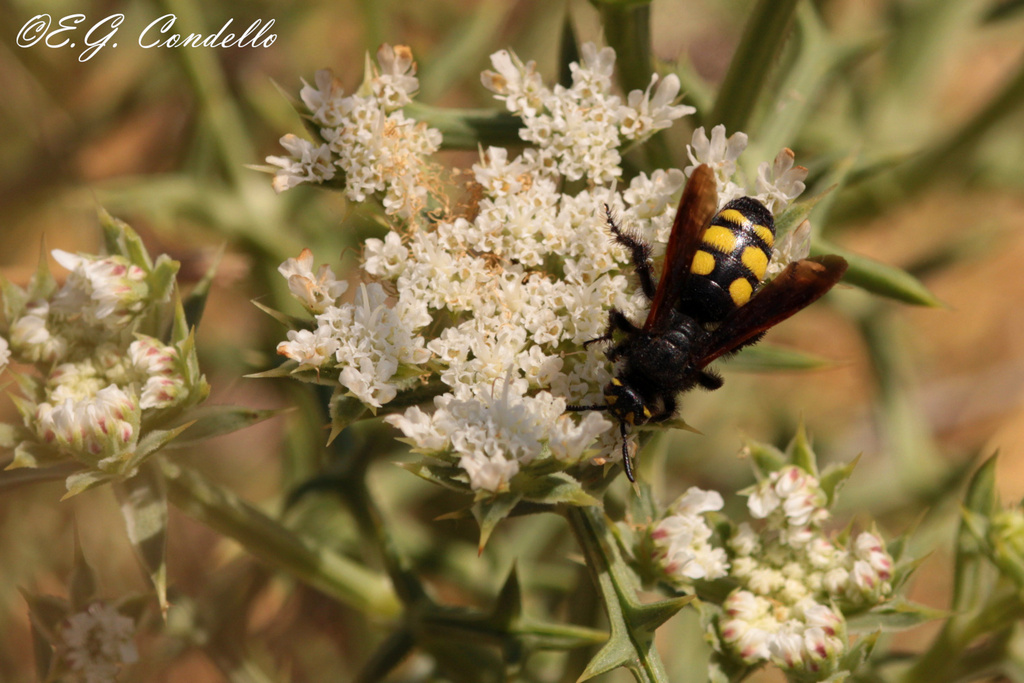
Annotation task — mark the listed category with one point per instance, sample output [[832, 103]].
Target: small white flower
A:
[[307, 163], [763, 500], [644, 115], [795, 245], [385, 258], [488, 473], [720, 154], [518, 84], [396, 83], [779, 183], [326, 102], [96, 642], [310, 349], [315, 292]]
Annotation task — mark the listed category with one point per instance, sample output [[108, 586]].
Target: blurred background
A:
[[915, 109]]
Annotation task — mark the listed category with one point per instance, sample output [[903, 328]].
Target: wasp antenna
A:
[[579, 409], [626, 462]]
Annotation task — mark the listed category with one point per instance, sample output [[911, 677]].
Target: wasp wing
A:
[[696, 209], [798, 286]]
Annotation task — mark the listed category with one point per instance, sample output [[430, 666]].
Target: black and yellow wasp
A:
[[705, 304]]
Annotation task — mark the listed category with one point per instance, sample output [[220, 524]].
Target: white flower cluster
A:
[[578, 130], [794, 579], [95, 643], [513, 282], [96, 375], [778, 183], [682, 540], [365, 137], [366, 342]]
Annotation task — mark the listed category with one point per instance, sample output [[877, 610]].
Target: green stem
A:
[[762, 40], [632, 624], [627, 29], [278, 546], [469, 128]]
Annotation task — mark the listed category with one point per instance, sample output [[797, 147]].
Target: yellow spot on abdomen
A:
[[765, 234], [740, 291], [734, 217], [754, 259], [703, 263], [720, 239]]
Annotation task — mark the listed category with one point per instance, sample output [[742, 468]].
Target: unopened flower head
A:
[[105, 291], [101, 430], [681, 540], [794, 581], [96, 642], [92, 376]]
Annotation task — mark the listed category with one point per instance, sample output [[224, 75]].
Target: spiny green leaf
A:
[[80, 482], [555, 488], [47, 612], [206, 422], [509, 606], [14, 299], [859, 652], [970, 583], [42, 285], [195, 303], [491, 510], [82, 583], [448, 476], [895, 615], [799, 452], [766, 458], [121, 240], [152, 442], [834, 476], [879, 278], [344, 410], [163, 278], [982, 495], [652, 615], [22, 476], [143, 501], [631, 642], [33, 454], [772, 358], [289, 321]]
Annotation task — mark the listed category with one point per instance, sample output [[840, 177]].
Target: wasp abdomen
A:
[[731, 260]]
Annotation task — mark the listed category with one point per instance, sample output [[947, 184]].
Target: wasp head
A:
[[626, 403]]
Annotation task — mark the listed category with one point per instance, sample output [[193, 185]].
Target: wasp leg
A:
[[709, 380], [617, 320], [668, 409], [639, 252]]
